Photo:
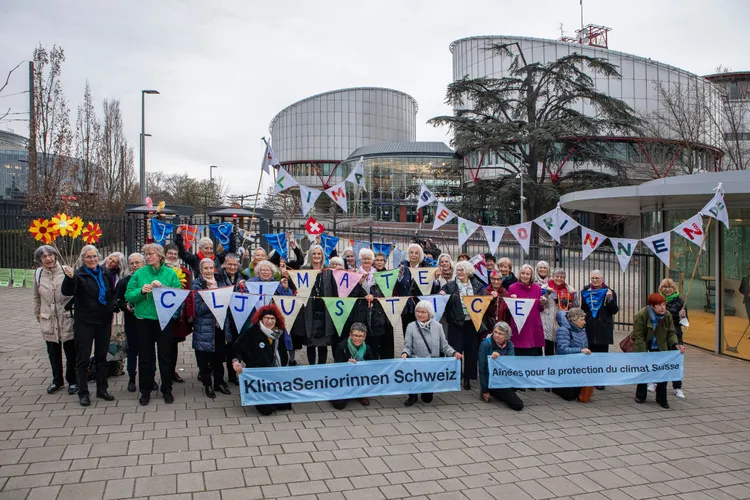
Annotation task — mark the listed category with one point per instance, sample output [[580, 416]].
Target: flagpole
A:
[[257, 194], [697, 260]]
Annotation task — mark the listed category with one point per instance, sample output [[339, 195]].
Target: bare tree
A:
[[2, 88], [118, 173], [286, 204], [87, 172], [736, 136], [50, 147]]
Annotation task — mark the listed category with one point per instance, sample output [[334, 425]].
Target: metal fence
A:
[[128, 234]]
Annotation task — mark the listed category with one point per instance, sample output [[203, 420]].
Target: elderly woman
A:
[[676, 307], [462, 257], [380, 262], [210, 338], [205, 251], [231, 275], [369, 311], [350, 261], [258, 255], [541, 273], [497, 310], [424, 338], [94, 297], [351, 350], [444, 272], [490, 262], [530, 340], [600, 328], [571, 339], [135, 262], [560, 297], [258, 347], [495, 345], [653, 331], [337, 263], [314, 325], [139, 293], [265, 271], [117, 266], [405, 286], [462, 336], [505, 266], [55, 318]]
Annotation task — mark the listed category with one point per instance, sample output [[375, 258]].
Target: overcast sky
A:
[[225, 68]]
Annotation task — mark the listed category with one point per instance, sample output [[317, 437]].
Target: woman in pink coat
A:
[[530, 340]]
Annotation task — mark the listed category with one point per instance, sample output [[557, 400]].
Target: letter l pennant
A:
[[218, 301]]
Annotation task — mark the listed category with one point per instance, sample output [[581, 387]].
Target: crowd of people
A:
[[75, 308]]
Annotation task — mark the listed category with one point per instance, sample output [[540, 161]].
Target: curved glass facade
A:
[[330, 126], [13, 166]]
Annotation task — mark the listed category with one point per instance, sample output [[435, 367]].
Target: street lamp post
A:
[[520, 176], [143, 142], [211, 173]]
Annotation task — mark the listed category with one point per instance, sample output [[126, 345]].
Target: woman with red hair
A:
[[258, 346], [653, 331]]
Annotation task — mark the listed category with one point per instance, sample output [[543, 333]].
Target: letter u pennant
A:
[[167, 302]]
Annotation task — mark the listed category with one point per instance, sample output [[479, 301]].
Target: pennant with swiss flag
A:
[[313, 228]]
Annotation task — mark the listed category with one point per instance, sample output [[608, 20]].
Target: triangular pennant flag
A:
[[338, 194], [309, 197], [303, 280], [594, 299], [519, 310], [547, 222], [269, 159], [556, 223], [660, 244], [241, 305], [624, 249], [591, 241], [356, 247], [692, 230], [438, 302], [386, 281], [222, 232], [465, 229], [284, 180], [442, 216], [398, 257], [480, 268], [522, 234], [167, 301], [160, 231], [425, 196], [384, 248], [278, 242], [289, 307], [716, 207], [328, 243], [423, 277], [565, 223], [313, 228], [393, 307], [357, 175], [476, 305], [217, 301], [346, 281], [494, 235], [266, 289], [339, 309], [189, 234]]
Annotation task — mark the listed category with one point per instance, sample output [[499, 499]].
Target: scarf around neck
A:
[[369, 278], [670, 298], [272, 336], [98, 275], [654, 318], [357, 353]]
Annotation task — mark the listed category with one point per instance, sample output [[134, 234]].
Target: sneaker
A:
[[652, 387], [72, 389], [679, 394]]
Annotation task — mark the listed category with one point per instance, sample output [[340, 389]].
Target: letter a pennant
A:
[[692, 230], [357, 175], [217, 301], [519, 310], [591, 241], [465, 229], [346, 281], [309, 197], [339, 309], [338, 194], [284, 180], [624, 248], [476, 305], [167, 302], [660, 244], [289, 307]]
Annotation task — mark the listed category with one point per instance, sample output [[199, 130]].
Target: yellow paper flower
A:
[[42, 231], [76, 226], [61, 224], [160, 206], [181, 276]]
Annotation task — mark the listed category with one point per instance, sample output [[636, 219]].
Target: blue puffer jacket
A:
[[204, 324], [570, 340]]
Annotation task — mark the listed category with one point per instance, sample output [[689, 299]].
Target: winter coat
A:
[[204, 324], [193, 260], [600, 330], [144, 304], [299, 258], [570, 339], [182, 326], [84, 289], [497, 310], [280, 290], [371, 315], [341, 352], [454, 308], [415, 346], [551, 309], [54, 320], [532, 334], [486, 348], [255, 350], [643, 332], [674, 307], [122, 304], [406, 287], [316, 327], [511, 279]]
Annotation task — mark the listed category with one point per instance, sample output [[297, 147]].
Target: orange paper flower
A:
[[76, 226], [160, 206], [61, 224], [42, 231], [91, 233]]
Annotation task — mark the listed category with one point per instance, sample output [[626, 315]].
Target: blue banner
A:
[[581, 370], [384, 248], [278, 243], [595, 299], [160, 231], [329, 382], [328, 242], [222, 232]]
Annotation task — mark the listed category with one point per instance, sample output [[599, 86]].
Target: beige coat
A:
[[49, 306]]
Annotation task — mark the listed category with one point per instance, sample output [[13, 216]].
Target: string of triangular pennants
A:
[[557, 223]]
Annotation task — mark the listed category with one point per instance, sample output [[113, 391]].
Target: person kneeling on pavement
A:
[[571, 339], [352, 350], [497, 344]]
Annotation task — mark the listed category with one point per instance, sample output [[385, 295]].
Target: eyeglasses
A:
[[357, 336]]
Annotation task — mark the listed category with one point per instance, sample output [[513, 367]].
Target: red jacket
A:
[[498, 309]]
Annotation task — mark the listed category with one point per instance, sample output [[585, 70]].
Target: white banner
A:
[[309, 197], [438, 304], [241, 305], [519, 309], [393, 306], [284, 180], [716, 207], [357, 175], [167, 301], [217, 301], [660, 245], [265, 288], [624, 249], [494, 235], [338, 194], [465, 229], [591, 241], [425, 196], [303, 280], [290, 308], [442, 216], [522, 234], [556, 223], [692, 230], [422, 276]]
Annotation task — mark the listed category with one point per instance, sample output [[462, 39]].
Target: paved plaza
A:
[[458, 447]]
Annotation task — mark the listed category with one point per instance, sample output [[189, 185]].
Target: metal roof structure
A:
[[417, 148], [11, 141], [671, 193]]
